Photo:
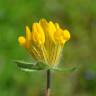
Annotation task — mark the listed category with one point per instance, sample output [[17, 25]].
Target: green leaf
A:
[[64, 69], [26, 66]]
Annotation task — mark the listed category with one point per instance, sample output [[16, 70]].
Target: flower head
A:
[[45, 41]]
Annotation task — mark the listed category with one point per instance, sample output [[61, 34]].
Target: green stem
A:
[[48, 83]]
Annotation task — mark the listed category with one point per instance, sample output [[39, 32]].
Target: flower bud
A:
[[21, 40]]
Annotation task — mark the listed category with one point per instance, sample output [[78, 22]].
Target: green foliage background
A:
[[79, 16]]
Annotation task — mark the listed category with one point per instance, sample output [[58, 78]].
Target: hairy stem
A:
[[48, 83]]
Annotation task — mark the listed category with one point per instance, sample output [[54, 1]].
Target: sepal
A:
[[65, 69], [26, 66]]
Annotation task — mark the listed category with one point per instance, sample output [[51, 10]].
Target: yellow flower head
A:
[[45, 42]]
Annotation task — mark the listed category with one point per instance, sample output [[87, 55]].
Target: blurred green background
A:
[[79, 16]]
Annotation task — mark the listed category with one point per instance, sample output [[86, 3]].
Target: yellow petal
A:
[[44, 24], [52, 26], [21, 40], [51, 30], [66, 34], [38, 34], [59, 37], [57, 26], [28, 37], [40, 30], [34, 29]]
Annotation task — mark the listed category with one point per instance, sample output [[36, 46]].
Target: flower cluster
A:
[[45, 41]]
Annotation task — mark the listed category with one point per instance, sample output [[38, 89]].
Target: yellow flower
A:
[[45, 41]]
